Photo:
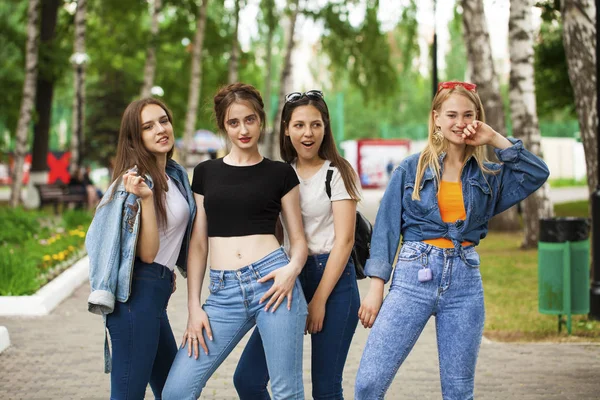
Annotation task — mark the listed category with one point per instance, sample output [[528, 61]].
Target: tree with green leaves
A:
[[195, 80], [47, 76], [272, 140], [28, 100], [363, 51], [270, 19], [550, 66], [456, 57], [579, 36], [479, 54], [523, 110], [79, 60], [234, 55], [150, 66], [13, 36]]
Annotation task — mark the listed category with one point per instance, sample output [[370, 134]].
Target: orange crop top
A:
[[452, 208]]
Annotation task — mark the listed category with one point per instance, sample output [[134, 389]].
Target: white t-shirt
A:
[[171, 237], [317, 213]]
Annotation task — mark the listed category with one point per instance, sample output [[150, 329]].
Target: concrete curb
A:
[[486, 341], [49, 296], [4, 339]]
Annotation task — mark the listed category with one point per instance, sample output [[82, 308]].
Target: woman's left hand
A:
[[478, 133], [135, 184], [316, 315], [284, 279]]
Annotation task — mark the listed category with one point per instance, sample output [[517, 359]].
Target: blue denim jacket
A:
[[112, 237], [521, 173]]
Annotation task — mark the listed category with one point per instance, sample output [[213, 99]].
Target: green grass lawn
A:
[[572, 209], [564, 182], [510, 280]]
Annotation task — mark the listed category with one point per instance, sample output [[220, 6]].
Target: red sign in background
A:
[[58, 168]]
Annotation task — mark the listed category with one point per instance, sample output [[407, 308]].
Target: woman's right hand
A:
[[370, 305], [197, 321]]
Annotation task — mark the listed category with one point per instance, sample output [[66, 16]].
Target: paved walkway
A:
[[60, 357]]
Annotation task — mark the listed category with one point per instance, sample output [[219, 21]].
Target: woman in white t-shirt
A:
[[328, 278], [141, 230]]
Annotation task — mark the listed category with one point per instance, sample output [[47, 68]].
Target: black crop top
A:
[[242, 201]]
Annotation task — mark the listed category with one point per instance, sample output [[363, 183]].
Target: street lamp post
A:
[[595, 199]]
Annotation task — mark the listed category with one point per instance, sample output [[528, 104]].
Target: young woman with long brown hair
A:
[[140, 231], [328, 277]]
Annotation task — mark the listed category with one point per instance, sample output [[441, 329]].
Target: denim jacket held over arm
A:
[[485, 195], [112, 237]]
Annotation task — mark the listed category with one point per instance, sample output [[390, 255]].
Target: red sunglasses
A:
[[452, 84]]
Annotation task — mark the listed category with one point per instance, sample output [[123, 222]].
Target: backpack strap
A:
[[328, 181]]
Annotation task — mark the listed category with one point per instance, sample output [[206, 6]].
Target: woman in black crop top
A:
[[239, 199], [329, 277]]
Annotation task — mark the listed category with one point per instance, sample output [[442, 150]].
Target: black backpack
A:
[[362, 235]]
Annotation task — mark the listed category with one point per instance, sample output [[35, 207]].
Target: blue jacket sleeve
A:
[[387, 229], [103, 247], [522, 173]]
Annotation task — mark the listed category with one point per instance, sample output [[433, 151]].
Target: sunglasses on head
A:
[[452, 84], [311, 94]]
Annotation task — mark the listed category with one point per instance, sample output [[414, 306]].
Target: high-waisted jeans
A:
[[233, 309], [454, 296], [329, 347], [143, 346]]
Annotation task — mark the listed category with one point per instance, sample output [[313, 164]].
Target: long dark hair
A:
[[327, 151], [131, 151]]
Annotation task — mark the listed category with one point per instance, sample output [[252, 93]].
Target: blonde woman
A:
[[439, 201]]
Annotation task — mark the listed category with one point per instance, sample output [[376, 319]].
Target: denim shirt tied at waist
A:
[[112, 237], [485, 195]]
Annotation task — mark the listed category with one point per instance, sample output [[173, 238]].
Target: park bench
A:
[[61, 195]]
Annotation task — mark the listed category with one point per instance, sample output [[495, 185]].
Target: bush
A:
[[18, 274], [76, 218], [35, 246], [19, 225]]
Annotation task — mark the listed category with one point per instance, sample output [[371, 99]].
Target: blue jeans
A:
[[233, 309], [143, 346], [454, 296], [329, 347]]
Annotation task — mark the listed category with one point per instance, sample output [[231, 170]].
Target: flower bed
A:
[[36, 246]]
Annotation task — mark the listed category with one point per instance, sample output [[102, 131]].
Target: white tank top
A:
[[171, 236]]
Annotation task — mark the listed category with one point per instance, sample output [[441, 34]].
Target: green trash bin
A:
[[564, 268]]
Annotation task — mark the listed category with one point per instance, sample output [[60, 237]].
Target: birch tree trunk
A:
[[79, 60], [150, 66], [483, 73], [523, 110], [579, 37], [286, 73], [195, 82], [28, 100], [269, 10], [235, 47]]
